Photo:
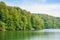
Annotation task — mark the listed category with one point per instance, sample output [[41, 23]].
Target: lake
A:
[[45, 34]]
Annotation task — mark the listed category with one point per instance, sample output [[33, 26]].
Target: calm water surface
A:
[[29, 35]]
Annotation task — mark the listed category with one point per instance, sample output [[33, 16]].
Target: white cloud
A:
[[51, 9]]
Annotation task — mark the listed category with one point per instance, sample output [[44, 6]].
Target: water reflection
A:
[[29, 35]]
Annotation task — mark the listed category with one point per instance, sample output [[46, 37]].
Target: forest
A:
[[15, 18]]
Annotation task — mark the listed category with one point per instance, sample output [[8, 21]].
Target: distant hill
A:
[[15, 18], [50, 21]]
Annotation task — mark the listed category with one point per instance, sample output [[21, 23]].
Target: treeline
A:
[[50, 21], [15, 18]]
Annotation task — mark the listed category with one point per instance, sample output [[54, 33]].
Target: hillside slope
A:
[[15, 18], [50, 21]]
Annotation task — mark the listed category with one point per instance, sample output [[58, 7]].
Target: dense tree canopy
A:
[[50, 21], [15, 18]]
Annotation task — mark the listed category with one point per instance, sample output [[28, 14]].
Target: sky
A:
[[50, 7]]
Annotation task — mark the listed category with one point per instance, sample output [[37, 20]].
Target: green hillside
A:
[[50, 21], [15, 18]]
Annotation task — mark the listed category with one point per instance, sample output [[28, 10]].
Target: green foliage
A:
[[2, 26], [14, 18], [50, 21], [37, 22]]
